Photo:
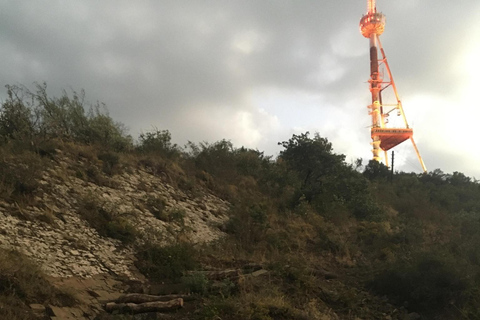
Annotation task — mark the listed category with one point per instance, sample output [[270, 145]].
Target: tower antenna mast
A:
[[384, 138]]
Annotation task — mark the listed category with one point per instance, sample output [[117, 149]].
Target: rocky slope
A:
[[53, 233], [50, 230]]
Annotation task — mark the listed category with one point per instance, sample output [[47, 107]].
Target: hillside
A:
[[88, 215]]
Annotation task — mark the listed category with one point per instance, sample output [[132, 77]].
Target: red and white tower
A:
[[384, 138]]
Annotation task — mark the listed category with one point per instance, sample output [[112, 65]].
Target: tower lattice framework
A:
[[384, 138]]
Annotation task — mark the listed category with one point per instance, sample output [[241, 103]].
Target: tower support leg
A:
[[418, 155], [376, 149]]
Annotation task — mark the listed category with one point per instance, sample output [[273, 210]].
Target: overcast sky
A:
[[257, 71]]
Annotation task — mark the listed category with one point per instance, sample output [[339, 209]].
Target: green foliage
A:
[[196, 283], [310, 158], [248, 223], [215, 159], [19, 175], [177, 215], [324, 179], [158, 142], [165, 263], [32, 117], [375, 170], [16, 119], [305, 209], [156, 206], [105, 222], [104, 131], [232, 173], [110, 162], [428, 283]]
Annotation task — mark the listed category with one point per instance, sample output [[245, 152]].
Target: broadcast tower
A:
[[384, 138]]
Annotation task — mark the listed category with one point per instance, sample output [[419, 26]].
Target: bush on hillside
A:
[[158, 142], [16, 118], [107, 224], [32, 117], [19, 174], [165, 263], [324, 179], [428, 283]]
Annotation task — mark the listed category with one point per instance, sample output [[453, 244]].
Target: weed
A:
[[248, 223], [177, 215], [428, 283], [165, 263], [19, 175], [93, 174], [22, 283], [187, 185], [156, 206], [196, 283], [105, 222], [154, 166], [47, 216], [110, 163]]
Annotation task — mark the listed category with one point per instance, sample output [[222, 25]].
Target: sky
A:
[[257, 71]]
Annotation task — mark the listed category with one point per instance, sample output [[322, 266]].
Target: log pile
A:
[[142, 298], [234, 275], [156, 306], [135, 303], [142, 303]]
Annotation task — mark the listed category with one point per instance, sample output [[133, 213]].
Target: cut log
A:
[[232, 274], [142, 298], [157, 306]]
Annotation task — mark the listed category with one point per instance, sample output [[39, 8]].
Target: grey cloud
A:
[[188, 66]]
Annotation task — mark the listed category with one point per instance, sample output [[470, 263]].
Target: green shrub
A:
[[248, 223], [105, 222], [16, 118], [32, 117], [196, 283], [156, 206], [110, 161], [165, 263], [158, 142], [375, 170], [177, 215], [19, 175], [429, 284]]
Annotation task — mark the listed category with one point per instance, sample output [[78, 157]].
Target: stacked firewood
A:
[[142, 303], [135, 303]]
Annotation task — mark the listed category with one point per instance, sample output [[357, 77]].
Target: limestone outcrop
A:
[[50, 230]]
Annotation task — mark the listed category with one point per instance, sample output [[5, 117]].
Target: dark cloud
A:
[[193, 67]]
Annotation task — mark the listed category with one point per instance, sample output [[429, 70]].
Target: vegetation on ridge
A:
[[338, 240]]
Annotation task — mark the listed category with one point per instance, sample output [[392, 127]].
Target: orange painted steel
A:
[[384, 138], [391, 137]]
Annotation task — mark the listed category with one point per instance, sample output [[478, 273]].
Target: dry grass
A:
[[107, 223], [19, 174], [21, 284]]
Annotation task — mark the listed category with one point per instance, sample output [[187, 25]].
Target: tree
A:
[[26, 115], [159, 142], [310, 158], [375, 170], [15, 120], [324, 179]]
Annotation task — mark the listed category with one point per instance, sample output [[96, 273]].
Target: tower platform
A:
[[391, 137]]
